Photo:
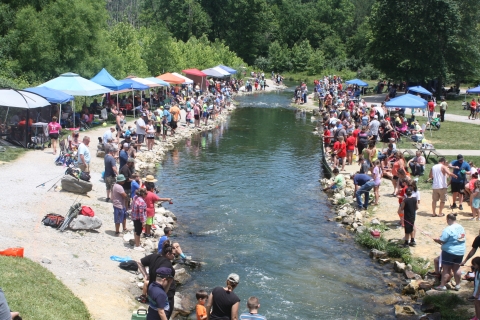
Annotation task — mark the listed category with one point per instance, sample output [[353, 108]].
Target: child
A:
[[401, 195], [476, 201], [351, 141], [200, 309], [340, 152], [409, 207], [412, 184], [338, 180], [253, 305], [157, 297]]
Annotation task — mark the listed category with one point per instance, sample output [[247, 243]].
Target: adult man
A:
[[431, 109], [475, 245], [153, 262], [340, 132], [373, 127], [108, 135], [439, 187], [94, 107], [123, 154], [175, 111], [83, 154], [127, 170], [157, 296], [140, 130], [110, 170], [417, 164], [460, 170], [118, 199], [443, 109], [363, 184]]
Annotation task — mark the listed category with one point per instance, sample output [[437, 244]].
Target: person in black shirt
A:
[[409, 207], [475, 245], [223, 302], [153, 262]]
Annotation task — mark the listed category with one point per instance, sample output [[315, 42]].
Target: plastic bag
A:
[[12, 252], [120, 259]]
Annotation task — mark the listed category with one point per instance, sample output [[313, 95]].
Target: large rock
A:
[[377, 254], [347, 220], [404, 312], [182, 307], [181, 276], [399, 267], [411, 288], [75, 185], [85, 223]]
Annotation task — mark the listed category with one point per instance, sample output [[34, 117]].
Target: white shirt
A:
[[140, 123], [439, 179]]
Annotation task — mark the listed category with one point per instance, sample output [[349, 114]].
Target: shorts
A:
[[173, 124], [137, 227], [449, 259], [205, 115], [409, 226], [159, 129], [119, 215], [165, 129], [84, 168], [197, 117], [458, 187], [395, 178], [476, 203], [439, 194], [140, 138], [149, 221], [150, 138], [110, 181], [53, 135], [118, 128]]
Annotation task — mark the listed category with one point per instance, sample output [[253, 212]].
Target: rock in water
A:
[[399, 267], [85, 223], [374, 254], [404, 311], [75, 185], [181, 276]]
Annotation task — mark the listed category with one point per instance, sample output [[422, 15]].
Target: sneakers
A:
[[412, 244], [453, 206], [440, 288], [457, 287], [139, 249], [107, 200], [460, 207], [142, 299]]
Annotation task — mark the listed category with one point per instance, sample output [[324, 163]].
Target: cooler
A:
[[140, 314]]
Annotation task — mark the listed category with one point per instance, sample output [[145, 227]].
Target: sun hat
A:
[[121, 178], [164, 272], [233, 278], [149, 178]]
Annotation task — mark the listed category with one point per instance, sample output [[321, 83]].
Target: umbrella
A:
[[52, 95], [105, 79], [358, 82], [474, 90], [73, 84], [420, 89]]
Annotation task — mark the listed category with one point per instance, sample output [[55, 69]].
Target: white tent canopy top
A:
[[187, 80]]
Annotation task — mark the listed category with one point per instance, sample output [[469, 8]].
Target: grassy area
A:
[[34, 291], [11, 153], [449, 305]]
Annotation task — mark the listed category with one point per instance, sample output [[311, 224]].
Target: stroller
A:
[[40, 136]]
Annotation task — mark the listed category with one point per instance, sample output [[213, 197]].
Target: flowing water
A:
[[248, 201]]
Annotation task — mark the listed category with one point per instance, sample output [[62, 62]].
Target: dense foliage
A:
[[401, 40]]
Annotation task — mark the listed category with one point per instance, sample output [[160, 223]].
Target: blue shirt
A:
[[123, 155], [168, 115], [160, 243], [360, 179], [83, 149], [134, 186], [462, 177], [453, 238], [252, 316], [157, 299]]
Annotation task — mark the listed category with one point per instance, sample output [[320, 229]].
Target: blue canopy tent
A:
[[105, 79], [358, 82], [419, 89], [473, 90], [407, 101], [228, 69], [134, 85], [52, 95], [73, 84]]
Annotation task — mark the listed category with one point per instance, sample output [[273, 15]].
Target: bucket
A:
[[12, 252]]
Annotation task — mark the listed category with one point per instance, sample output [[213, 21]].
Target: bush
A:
[[369, 72], [446, 304]]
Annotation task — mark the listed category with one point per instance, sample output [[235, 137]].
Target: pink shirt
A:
[[54, 127]]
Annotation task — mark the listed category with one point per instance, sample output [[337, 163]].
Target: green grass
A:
[[449, 305], [455, 105], [11, 153], [34, 291]]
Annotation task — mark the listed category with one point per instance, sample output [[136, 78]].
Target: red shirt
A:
[[355, 133], [150, 200], [342, 149], [351, 141], [431, 106], [401, 194], [327, 135], [473, 104]]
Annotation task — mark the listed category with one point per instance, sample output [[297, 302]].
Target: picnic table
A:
[[426, 151]]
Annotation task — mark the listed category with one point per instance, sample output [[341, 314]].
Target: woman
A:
[[120, 122], [362, 140], [377, 177], [53, 131], [398, 164], [150, 135], [223, 302], [139, 216], [453, 248], [387, 132]]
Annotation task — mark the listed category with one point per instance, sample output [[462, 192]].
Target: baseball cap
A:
[[375, 117], [126, 145], [131, 160], [164, 272], [234, 278], [459, 157]]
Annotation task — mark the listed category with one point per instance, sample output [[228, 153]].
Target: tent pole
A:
[[73, 114], [133, 103], [60, 115]]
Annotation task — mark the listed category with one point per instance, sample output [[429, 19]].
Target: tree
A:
[[301, 53], [412, 39]]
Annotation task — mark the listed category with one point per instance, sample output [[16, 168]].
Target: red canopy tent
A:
[[198, 77]]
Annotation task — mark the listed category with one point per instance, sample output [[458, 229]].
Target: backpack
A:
[[87, 211], [85, 176], [129, 265], [53, 220]]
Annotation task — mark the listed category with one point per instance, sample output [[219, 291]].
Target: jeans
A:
[[417, 169], [365, 190]]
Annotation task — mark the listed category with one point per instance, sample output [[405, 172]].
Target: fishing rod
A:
[[43, 184]]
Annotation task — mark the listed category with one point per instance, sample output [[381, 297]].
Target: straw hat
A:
[[149, 178]]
